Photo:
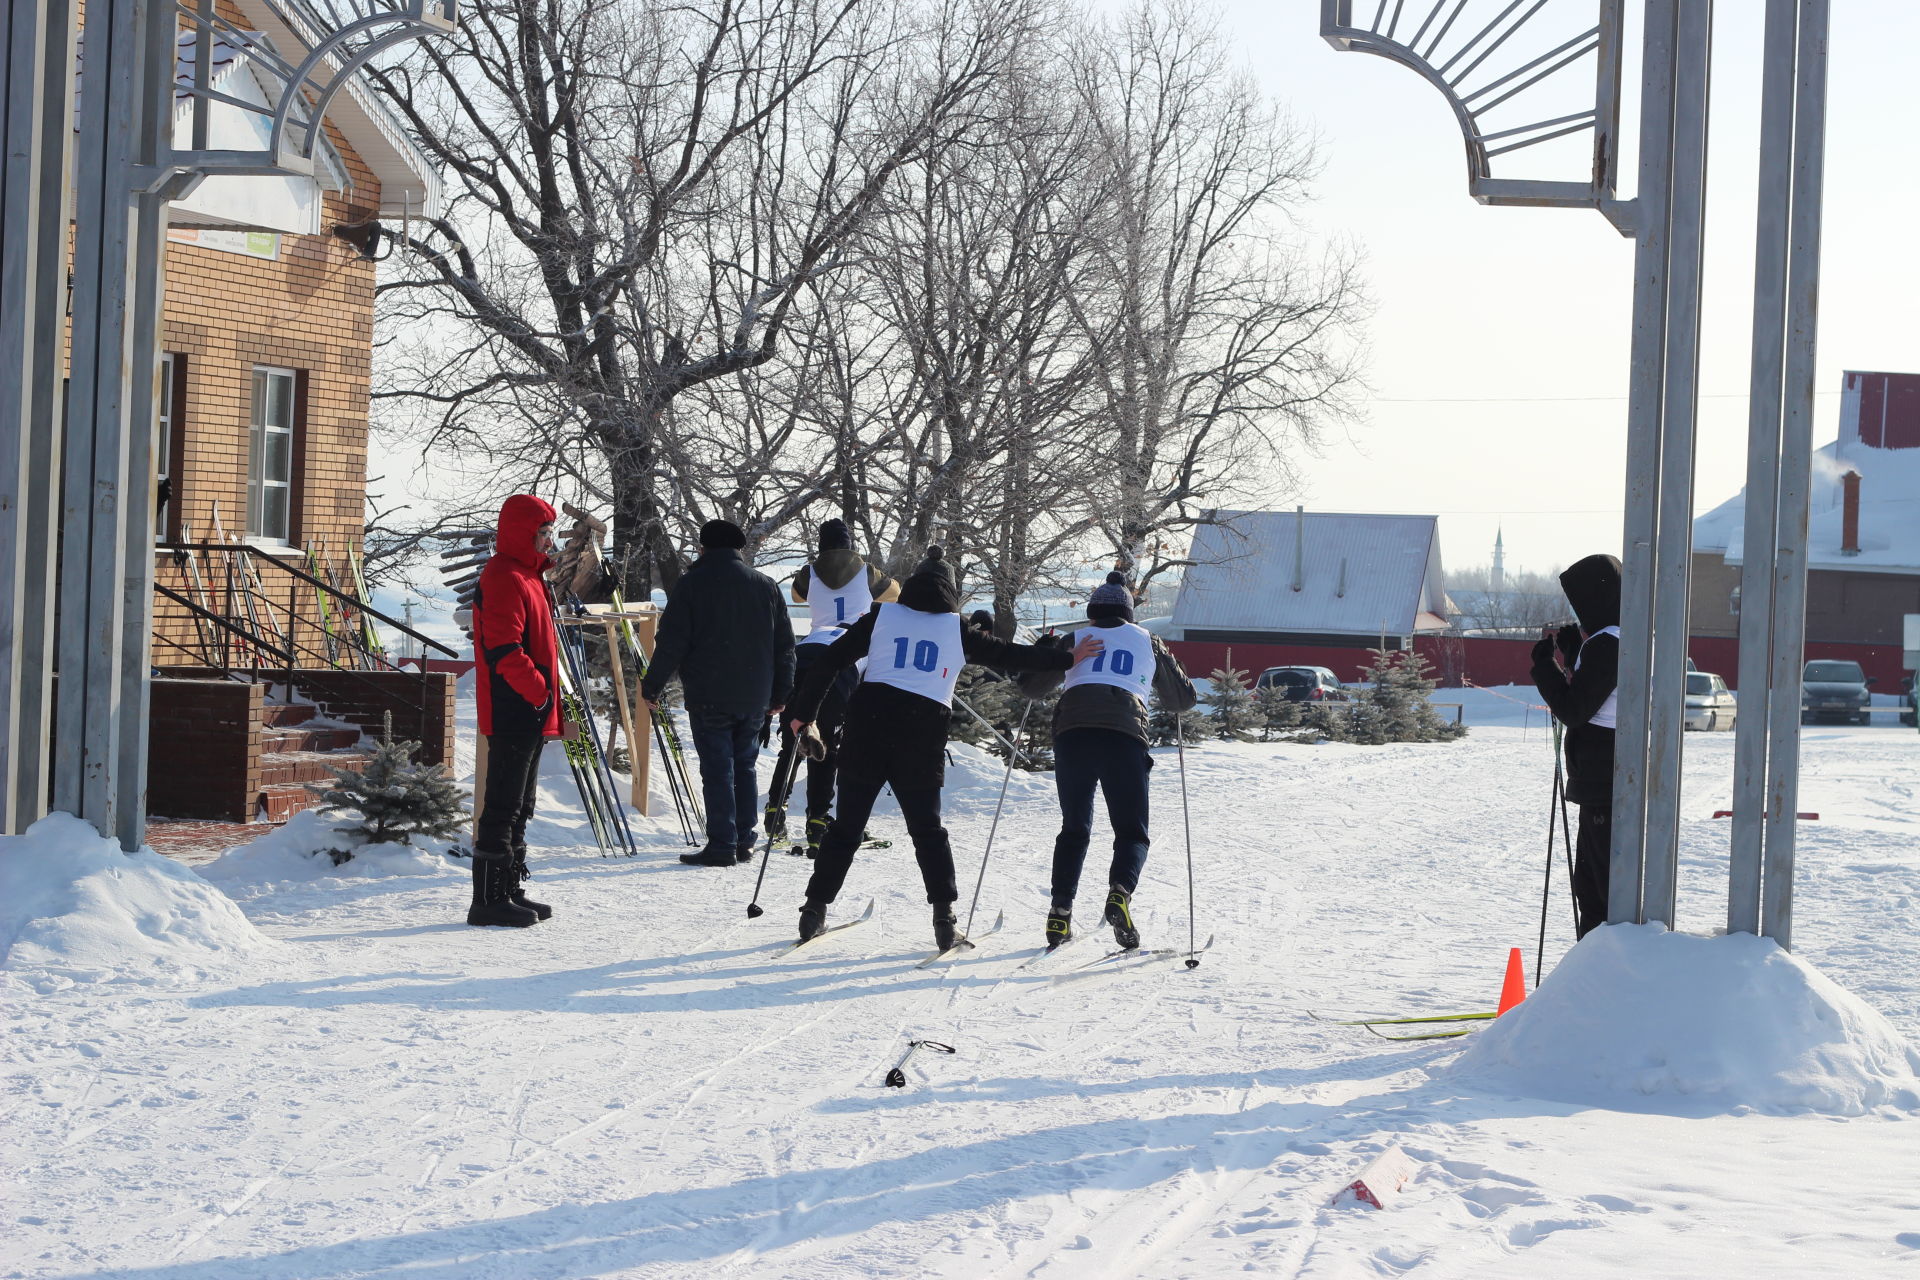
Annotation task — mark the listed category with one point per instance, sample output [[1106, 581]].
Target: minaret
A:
[[1498, 581]]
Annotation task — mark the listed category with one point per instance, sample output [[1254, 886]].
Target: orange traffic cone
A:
[[1514, 989]]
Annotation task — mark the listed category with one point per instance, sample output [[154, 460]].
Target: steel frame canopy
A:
[[84, 486], [1511, 54]]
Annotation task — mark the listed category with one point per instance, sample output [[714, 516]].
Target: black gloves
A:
[[1569, 640], [1543, 652]]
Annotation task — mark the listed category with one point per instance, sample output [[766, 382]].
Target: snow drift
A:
[[1636, 1018], [73, 905], [298, 851]]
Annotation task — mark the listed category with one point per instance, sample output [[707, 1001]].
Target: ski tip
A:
[[868, 913]]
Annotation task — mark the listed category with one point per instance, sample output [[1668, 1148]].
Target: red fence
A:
[[1486, 660]]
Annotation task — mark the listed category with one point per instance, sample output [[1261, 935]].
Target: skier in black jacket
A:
[[1576, 672], [896, 728], [726, 634]]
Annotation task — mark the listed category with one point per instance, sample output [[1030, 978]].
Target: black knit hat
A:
[[722, 535], [931, 587], [1111, 599], [834, 536]]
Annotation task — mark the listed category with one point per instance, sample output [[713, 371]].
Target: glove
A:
[[1569, 641], [1543, 652]]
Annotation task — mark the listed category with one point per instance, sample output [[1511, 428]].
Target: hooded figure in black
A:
[[1577, 672], [896, 728]]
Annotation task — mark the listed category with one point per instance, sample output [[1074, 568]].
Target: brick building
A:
[[261, 454]]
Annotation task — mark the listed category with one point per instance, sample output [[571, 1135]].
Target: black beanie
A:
[[834, 536], [931, 588], [722, 535], [1111, 599]]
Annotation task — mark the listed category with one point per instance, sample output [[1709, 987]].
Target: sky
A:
[[1497, 346]]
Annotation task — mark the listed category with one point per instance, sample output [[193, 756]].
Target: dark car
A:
[[1834, 691], [1303, 684]]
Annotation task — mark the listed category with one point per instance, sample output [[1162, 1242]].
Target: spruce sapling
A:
[[396, 798]]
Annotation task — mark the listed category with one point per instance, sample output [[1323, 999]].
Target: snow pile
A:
[[1635, 1014], [300, 850], [72, 905]]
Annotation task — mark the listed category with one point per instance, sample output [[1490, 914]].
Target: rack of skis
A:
[[581, 679]]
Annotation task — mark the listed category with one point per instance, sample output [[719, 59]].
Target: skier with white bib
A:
[[1577, 672], [896, 728], [838, 588], [1100, 741]]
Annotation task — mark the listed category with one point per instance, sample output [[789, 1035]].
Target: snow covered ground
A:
[[642, 1087]]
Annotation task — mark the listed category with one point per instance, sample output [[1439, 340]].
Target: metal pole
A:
[[1644, 402], [1761, 504], [1796, 458], [1673, 552]]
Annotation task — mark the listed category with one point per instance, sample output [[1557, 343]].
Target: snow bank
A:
[[297, 850], [74, 906], [1635, 1016]]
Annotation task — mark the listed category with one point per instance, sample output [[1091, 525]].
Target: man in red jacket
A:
[[516, 683]]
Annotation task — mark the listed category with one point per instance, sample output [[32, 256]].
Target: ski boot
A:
[[492, 882], [813, 918], [1059, 926], [816, 834], [1120, 916], [519, 897], [946, 930]]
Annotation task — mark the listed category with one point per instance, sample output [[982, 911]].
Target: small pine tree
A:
[[984, 692], [1165, 727], [1277, 711], [1036, 741], [396, 798], [1396, 698], [1236, 716]]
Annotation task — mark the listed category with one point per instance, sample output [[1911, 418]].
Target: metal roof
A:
[[1359, 574]]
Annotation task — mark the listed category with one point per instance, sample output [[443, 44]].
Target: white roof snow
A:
[[1359, 574], [1889, 512]]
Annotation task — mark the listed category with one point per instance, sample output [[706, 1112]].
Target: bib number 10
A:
[[926, 654], [1121, 664]]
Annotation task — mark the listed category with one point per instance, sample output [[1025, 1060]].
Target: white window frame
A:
[[258, 431], [164, 374]]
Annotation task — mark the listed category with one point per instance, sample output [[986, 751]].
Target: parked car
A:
[[1303, 684], [1710, 704], [1835, 691]]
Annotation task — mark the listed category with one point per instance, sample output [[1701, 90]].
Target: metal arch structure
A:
[[1506, 48], [76, 472]]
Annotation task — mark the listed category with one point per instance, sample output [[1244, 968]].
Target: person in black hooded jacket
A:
[[896, 728], [1576, 672]]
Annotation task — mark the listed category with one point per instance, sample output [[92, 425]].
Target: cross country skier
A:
[[896, 730], [1100, 740], [1576, 673], [837, 588], [517, 652]]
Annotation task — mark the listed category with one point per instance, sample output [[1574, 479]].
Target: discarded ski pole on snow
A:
[[897, 1078]]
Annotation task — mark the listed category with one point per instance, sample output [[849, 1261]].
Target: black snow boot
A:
[[813, 918], [743, 852], [518, 897], [492, 882], [946, 926], [710, 856], [1120, 916], [1059, 926]]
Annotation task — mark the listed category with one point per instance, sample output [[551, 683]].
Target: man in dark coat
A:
[[516, 687], [726, 634], [896, 728], [1577, 672]]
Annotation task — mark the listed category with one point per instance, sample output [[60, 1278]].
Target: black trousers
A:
[[513, 786], [1592, 861], [931, 848], [1116, 763]]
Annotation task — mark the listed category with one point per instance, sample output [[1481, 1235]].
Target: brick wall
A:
[[203, 749], [364, 698]]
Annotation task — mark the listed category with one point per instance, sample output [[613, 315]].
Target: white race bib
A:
[[915, 651], [829, 607], [1126, 662], [822, 635], [1610, 709]]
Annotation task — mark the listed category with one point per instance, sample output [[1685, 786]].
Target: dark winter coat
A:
[[513, 637], [1592, 587], [1105, 706], [891, 735], [726, 634]]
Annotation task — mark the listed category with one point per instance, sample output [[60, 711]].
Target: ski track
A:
[[640, 1088]]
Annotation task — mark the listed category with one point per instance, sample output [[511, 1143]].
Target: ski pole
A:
[[1546, 885], [1566, 834], [574, 657], [999, 737], [1000, 804], [897, 1078], [783, 770], [1186, 818]]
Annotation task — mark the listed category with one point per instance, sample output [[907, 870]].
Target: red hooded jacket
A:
[[513, 636]]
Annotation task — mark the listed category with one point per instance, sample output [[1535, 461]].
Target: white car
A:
[[1710, 704]]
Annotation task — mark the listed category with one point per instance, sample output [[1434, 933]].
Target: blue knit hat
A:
[[1111, 599]]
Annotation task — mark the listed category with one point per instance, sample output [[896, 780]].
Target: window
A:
[[270, 470], [163, 421]]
